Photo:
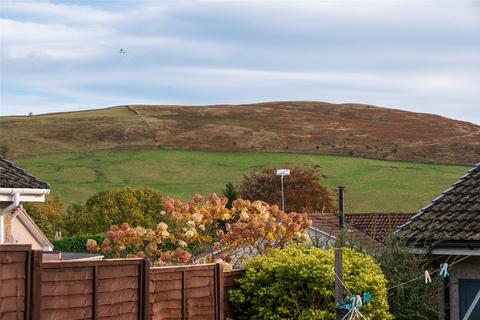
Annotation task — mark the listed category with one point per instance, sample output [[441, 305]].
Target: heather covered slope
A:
[[297, 127]]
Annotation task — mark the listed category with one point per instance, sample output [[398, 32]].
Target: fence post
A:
[[219, 292], [94, 291], [28, 283], [144, 290], [36, 285]]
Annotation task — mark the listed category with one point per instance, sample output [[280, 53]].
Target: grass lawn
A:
[[372, 185]]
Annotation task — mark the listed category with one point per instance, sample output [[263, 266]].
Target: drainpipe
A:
[[341, 206], [14, 205]]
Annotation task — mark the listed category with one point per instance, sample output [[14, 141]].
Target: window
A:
[[469, 299]]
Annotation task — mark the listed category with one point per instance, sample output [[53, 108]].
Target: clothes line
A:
[[423, 277]]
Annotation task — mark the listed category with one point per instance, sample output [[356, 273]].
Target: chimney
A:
[[341, 206]]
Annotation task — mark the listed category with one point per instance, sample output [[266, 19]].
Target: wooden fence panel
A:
[[15, 287], [109, 289], [186, 292]]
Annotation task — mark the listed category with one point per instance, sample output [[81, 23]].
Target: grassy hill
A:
[[372, 185], [293, 127]]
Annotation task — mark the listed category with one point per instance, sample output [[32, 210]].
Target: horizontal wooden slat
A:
[[203, 301], [12, 304], [12, 288], [130, 307], [109, 272], [12, 257], [67, 274], [57, 288], [117, 284], [66, 301], [183, 268], [68, 314], [15, 247], [125, 295], [160, 286], [165, 276], [167, 295], [90, 263]]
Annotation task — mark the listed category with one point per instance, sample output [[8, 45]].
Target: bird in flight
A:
[[122, 51]]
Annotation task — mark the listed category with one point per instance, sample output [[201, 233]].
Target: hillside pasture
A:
[[372, 185]]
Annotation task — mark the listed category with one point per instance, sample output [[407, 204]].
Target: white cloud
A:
[[420, 56]]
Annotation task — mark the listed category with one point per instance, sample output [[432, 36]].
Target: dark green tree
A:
[[409, 299], [231, 193], [137, 207]]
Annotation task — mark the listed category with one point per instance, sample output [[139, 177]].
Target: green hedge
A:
[[298, 283], [76, 243]]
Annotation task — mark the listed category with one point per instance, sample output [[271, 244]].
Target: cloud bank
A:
[[413, 55]]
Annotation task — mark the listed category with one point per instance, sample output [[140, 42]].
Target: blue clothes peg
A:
[[367, 297], [444, 270]]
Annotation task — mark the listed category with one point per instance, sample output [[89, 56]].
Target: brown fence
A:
[[186, 292], [109, 289], [89, 290], [15, 266]]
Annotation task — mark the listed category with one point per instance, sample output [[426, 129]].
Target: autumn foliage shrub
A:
[[197, 229], [299, 283], [47, 215], [303, 190], [137, 207]]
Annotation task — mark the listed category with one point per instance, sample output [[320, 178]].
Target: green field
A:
[[372, 185]]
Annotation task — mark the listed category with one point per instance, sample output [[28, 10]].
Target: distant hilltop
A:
[[296, 127]]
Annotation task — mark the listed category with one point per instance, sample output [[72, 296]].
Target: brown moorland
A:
[[296, 127]]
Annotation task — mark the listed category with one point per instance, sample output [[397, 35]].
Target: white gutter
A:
[[27, 195], [14, 205], [24, 191]]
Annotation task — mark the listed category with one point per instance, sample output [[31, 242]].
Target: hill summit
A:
[[297, 127]]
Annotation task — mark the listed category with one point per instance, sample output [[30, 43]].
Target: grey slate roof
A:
[[454, 216], [15, 177]]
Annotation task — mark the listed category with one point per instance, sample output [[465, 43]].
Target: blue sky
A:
[[421, 56]]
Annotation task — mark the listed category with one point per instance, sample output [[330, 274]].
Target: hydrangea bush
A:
[[197, 229], [299, 283]]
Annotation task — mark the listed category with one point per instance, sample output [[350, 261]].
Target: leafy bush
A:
[[299, 283], [47, 215], [137, 207], [411, 300], [76, 243]]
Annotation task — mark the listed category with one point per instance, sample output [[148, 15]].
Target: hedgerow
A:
[[76, 243], [298, 283]]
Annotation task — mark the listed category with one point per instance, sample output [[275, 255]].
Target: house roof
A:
[[453, 216], [377, 225], [12, 176], [328, 223], [21, 214]]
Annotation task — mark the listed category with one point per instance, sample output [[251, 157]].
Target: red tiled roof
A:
[[377, 225], [328, 223]]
